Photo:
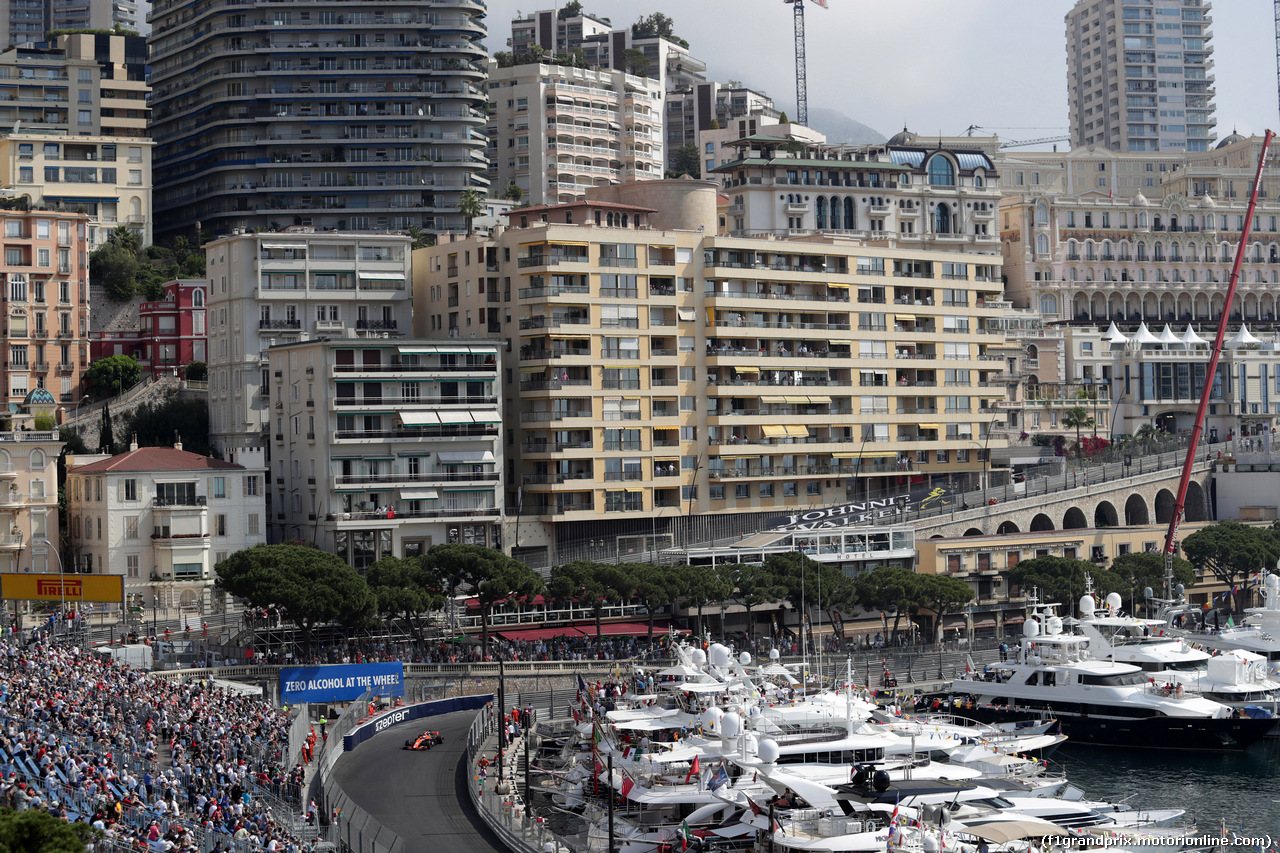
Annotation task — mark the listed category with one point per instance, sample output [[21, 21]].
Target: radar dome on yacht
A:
[[1147, 592], [699, 657], [880, 780], [744, 658], [769, 751], [1086, 605], [1272, 583], [931, 844], [719, 655], [731, 725], [1053, 626], [1114, 600], [711, 717], [1031, 628], [773, 654], [1180, 589]]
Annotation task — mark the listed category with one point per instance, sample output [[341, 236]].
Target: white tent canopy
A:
[[1191, 339], [1114, 335], [1144, 336], [1242, 339], [1168, 337]]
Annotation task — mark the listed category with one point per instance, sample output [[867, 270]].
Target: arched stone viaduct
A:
[[1142, 499]]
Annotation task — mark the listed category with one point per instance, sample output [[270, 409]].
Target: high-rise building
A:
[[677, 383], [326, 115], [1139, 75], [556, 130], [692, 110], [95, 15], [267, 289], [385, 447]]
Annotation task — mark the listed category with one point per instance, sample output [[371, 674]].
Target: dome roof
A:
[[906, 137], [1140, 199], [39, 397], [1231, 139], [1206, 200]]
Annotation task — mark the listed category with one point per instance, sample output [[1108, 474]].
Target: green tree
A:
[[942, 595], [590, 585], [1062, 580], [1145, 569], [888, 588], [655, 25], [405, 590], [196, 371], [754, 586], [572, 9], [421, 239], [635, 62], [1078, 418], [38, 831], [513, 192], [703, 585], [162, 423], [655, 587], [314, 586], [782, 119], [1231, 551], [685, 160], [114, 374], [489, 575], [470, 205], [114, 268], [106, 433]]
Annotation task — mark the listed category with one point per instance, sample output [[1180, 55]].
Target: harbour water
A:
[[1240, 788]]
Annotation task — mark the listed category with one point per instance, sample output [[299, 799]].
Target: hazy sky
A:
[[935, 65]]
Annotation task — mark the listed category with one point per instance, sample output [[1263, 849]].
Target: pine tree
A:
[[106, 435]]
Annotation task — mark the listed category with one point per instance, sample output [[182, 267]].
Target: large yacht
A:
[[1258, 633], [1100, 701]]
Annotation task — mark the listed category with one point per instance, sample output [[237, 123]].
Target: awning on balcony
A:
[[382, 276], [419, 495], [464, 457], [773, 400], [455, 418], [797, 430], [911, 317], [293, 246], [486, 417], [419, 418], [746, 370], [418, 350], [878, 454], [527, 371], [686, 314], [739, 456], [929, 426], [837, 284], [456, 350], [844, 455], [819, 399], [773, 430], [795, 399]]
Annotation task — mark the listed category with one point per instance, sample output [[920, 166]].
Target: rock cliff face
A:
[[108, 316], [838, 127]]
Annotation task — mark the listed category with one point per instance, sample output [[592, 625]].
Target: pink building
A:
[[171, 331]]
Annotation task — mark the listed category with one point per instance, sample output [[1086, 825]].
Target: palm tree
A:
[[1078, 418], [470, 206]]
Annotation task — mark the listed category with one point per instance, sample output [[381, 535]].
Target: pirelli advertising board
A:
[[51, 587]]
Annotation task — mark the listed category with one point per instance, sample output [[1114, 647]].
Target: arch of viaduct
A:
[[1145, 499]]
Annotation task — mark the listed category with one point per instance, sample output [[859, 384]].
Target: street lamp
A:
[[62, 577]]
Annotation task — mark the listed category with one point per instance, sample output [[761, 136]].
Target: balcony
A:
[[191, 502], [279, 324], [376, 325]]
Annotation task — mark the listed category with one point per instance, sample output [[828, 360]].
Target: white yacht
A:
[[1100, 701], [1259, 631]]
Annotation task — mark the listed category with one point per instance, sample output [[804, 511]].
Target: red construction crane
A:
[[1197, 426]]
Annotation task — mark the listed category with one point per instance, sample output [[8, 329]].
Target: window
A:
[[131, 565], [131, 527], [131, 490], [251, 485], [253, 524], [219, 487], [220, 528], [941, 172]]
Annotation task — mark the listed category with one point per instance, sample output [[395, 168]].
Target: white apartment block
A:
[[557, 130], [29, 501], [385, 448], [267, 289], [1139, 75], [163, 517]]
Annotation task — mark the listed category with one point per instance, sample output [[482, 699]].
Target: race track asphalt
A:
[[419, 795]]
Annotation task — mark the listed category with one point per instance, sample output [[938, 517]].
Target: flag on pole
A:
[[582, 686], [684, 834], [627, 784], [755, 808], [719, 778], [693, 771]]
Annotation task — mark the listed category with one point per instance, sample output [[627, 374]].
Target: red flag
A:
[[693, 771], [599, 768], [627, 785], [755, 809]]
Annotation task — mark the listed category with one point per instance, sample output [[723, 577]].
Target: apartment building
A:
[[718, 146], [911, 191], [170, 334], [29, 501], [556, 130], [693, 110], [669, 376], [163, 517], [95, 15], [46, 292], [665, 60], [326, 115], [81, 84], [1140, 75], [275, 288], [385, 448], [104, 177]]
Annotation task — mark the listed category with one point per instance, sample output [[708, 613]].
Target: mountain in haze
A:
[[838, 127]]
